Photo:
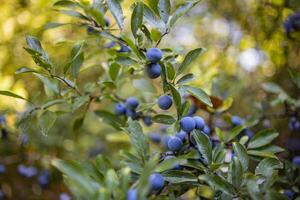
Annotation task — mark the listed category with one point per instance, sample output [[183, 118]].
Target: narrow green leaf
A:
[[46, 121], [234, 133], [164, 9], [76, 64], [241, 152], [263, 154], [199, 94], [144, 85], [74, 13], [139, 140], [170, 71], [11, 94], [267, 165], [189, 58], [217, 183], [186, 78], [151, 18], [109, 118], [176, 177], [203, 145], [114, 70], [164, 119], [235, 174], [22, 70], [177, 99], [262, 138], [116, 10], [137, 18], [184, 8], [295, 75]]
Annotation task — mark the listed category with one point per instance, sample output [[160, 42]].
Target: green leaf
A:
[[176, 177], [184, 8], [186, 78], [109, 118], [295, 75], [235, 174], [144, 85], [74, 13], [234, 133], [271, 148], [199, 94], [177, 99], [170, 71], [65, 3], [263, 154], [116, 10], [189, 58], [11, 94], [262, 138], [164, 9], [79, 101], [170, 163], [217, 183], [267, 165], [138, 140], [151, 18], [114, 70], [76, 63], [50, 85], [78, 123], [203, 145], [97, 15], [46, 121], [219, 153], [241, 152], [25, 70], [76, 172], [220, 134], [137, 18], [164, 119], [272, 88], [52, 25]]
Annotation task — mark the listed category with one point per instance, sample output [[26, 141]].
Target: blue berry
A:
[[192, 110], [131, 113], [289, 193], [154, 55], [107, 22], [200, 123], [2, 120], [296, 160], [90, 30], [24, 139], [2, 169], [43, 179], [123, 49], [147, 120], [2, 195], [155, 137], [294, 124], [27, 171], [64, 196], [153, 70], [132, 102], [182, 135], [120, 109], [165, 140], [236, 121], [164, 102], [174, 144], [132, 194], [187, 124], [206, 130], [156, 181]]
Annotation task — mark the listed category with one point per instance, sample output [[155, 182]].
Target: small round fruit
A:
[[296, 160], [107, 22], [64, 196], [193, 109], [147, 120], [236, 120], [182, 135], [123, 49], [153, 70], [187, 124], [289, 193], [131, 113], [154, 55], [165, 102], [174, 144], [155, 137], [2, 168], [132, 194], [206, 130], [120, 109], [200, 123], [156, 181], [132, 102], [165, 140]]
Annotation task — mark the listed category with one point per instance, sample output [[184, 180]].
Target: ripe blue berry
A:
[[192, 110], [132, 102], [294, 124], [120, 109], [132, 194], [182, 135], [2, 169], [154, 55], [187, 124], [27, 171], [164, 102], [296, 160], [155, 137], [147, 120], [174, 144], [156, 181], [165, 140], [236, 121], [64, 196], [289, 193], [153, 70], [206, 130], [131, 113], [200, 123], [107, 22], [123, 49]]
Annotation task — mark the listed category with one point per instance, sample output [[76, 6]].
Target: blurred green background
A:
[[246, 45]]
